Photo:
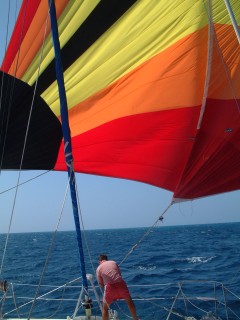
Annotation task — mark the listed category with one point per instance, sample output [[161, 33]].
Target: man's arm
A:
[[99, 279]]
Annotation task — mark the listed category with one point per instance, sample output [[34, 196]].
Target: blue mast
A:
[[67, 137]]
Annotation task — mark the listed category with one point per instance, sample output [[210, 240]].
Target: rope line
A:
[[160, 218], [86, 241], [26, 181], [49, 251], [8, 18], [14, 300], [59, 305], [25, 139]]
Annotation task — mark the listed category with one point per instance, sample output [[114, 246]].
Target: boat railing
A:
[[189, 298]]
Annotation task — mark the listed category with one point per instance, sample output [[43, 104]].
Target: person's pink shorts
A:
[[115, 291]]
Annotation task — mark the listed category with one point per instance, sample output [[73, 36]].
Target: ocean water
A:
[[168, 261]]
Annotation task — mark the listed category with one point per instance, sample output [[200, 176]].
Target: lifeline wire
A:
[[43, 295]]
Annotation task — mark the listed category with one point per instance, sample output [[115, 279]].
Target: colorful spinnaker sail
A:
[[153, 90]]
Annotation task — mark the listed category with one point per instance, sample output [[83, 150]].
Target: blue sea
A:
[[183, 260]]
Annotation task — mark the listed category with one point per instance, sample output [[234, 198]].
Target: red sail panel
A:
[[214, 164], [148, 155]]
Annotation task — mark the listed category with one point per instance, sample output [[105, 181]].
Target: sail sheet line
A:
[[160, 218]]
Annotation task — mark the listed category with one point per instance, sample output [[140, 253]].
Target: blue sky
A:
[[105, 202]]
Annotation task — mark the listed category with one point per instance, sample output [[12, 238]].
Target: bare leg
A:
[[105, 311], [132, 308]]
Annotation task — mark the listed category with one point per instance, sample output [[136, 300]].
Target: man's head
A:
[[102, 257]]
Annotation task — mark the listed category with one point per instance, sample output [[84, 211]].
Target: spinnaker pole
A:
[[67, 137]]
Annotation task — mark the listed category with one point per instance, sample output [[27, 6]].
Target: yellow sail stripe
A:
[[220, 14], [74, 15], [145, 30], [33, 41]]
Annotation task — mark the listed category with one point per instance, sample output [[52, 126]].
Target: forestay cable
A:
[[67, 138]]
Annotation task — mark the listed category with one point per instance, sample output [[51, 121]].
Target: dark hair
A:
[[102, 257]]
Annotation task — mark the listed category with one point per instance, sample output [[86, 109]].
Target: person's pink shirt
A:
[[108, 272]]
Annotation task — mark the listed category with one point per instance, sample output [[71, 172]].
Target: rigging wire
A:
[[160, 218], [86, 241], [233, 19], [49, 251], [26, 181], [14, 301], [67, 137], [11, 90], [146, 234], [64, 200], [18, 180], [23, 151], [8, 19], [15, 196]]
